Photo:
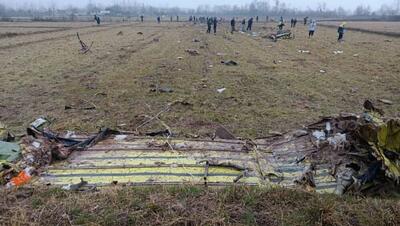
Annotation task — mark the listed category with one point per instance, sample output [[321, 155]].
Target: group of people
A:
[[243, 24], [312, 26], [212, 22], [293, 22]]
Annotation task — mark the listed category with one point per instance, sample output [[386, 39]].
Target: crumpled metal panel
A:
[[146, 161]]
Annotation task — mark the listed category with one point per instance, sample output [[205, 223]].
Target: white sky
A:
[[300, 4]]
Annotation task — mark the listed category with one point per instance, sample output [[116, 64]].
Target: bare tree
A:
[[362, 10]]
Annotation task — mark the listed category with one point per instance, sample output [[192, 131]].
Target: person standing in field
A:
[[311, 28], [294, 22], [305, 20], [209, 22], [281, 25], [215, 22], [141, 18], [158, 19], [257, 19], [249, 24], [233, 23], [243, 24], [341, 32]]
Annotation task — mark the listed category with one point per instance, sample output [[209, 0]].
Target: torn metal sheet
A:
[[146, 161], [9, 152]]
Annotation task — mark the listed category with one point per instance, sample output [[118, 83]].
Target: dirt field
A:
[[373, 26], [274, 87]]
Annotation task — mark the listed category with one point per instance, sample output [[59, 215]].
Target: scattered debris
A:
[[196, 40], [356, 55], [354, 90], [75, 187], [300, 133], [275, 133], [180, 58], [120, 33], [22, 178], [40, 123], [337, 52], [361, 152], [229, 63], [82, 105], [385, 101], [374, 143], [221, 54], [140, 33], [221, 90], [84, 48], [162, 89], [165, 133], [9, 152], [319, 135], [322, 71], [285, 34], [304, 51], [5, 135], [222, 133], [156, 39], [192, 52], [120, 137], [306, 180]]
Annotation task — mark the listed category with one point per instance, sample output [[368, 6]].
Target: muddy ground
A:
[[274, 87]]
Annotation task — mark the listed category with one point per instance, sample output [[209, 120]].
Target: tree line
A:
[[271, 8]]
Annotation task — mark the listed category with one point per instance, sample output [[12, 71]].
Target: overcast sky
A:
[[300, 4]]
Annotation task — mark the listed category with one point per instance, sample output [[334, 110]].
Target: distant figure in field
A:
[[341, 31], [294, 22], [177, 18], [97, 19], [281, 25], [171, 19], [267, 19], [257, 19], [215, 22], [141, 18], [244, 25], [209, 23], [233, 23], [158, 19], [311, 28], [305, 20], [249, 24], [281, 19]]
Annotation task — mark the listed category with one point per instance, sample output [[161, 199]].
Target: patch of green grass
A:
[[199, 205], [249, 218]]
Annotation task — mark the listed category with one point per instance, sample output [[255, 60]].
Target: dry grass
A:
[[373, 26], [274, 87], [192, 206]]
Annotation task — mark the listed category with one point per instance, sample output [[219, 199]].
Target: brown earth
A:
[[274, 87]]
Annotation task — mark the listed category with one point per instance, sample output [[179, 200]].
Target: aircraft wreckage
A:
[[348, 152]]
